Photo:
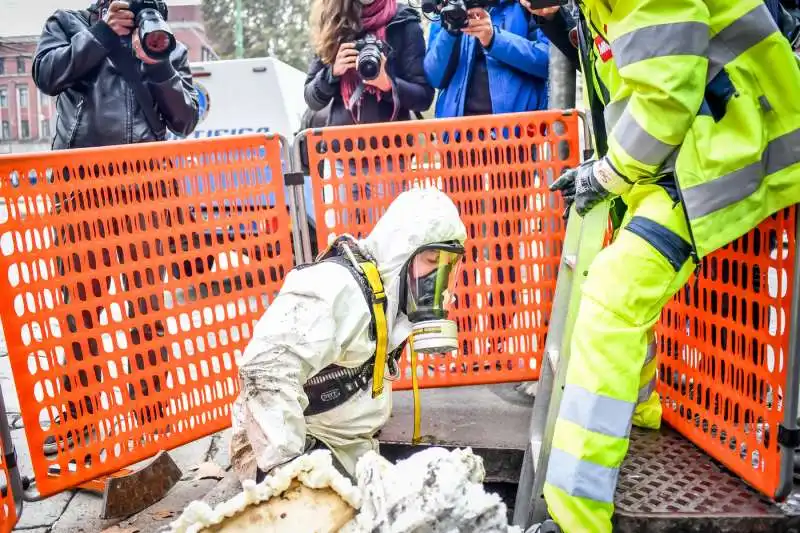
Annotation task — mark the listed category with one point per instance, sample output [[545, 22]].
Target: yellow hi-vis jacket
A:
[[711, 89]]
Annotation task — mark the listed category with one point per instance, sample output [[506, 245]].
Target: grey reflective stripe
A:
[[738, 37], [646, 391], [638, 142], [597, 413], [717, 194], [613, 112], [661, 40], [651, 352], [581, 478]]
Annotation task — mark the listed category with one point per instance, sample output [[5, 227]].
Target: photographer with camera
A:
[[120, 78], [369, 62], [119, 75], [486, 57]]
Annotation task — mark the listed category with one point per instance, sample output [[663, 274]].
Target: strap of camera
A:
[[129, 68]]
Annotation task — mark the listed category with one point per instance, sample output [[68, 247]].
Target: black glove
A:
[[590, 184]]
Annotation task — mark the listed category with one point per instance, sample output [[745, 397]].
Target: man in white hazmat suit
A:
[[309, 376]]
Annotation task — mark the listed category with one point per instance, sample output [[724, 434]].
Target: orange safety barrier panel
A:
[[723, 344], [8, 511], [132, 278], [497, 170]]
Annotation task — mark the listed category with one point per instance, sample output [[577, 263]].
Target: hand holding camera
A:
[[345, 60], [368, 56], [480, 26], [153, 40], [544, 12], [119, 18]]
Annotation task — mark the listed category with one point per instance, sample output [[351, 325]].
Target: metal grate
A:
[[668, 484]]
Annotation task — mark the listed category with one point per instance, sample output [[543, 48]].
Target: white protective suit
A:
[[319, 318]]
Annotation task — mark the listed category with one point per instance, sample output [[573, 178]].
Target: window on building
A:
[[6, 129], [20, 65], [22, 97], [3, 98], [44, 129], [2, 65], [44, 101], [24, 129]]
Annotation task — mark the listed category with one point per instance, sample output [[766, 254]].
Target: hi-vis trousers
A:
[[611, 374]]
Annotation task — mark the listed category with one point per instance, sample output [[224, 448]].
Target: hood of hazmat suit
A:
[[321, 318]]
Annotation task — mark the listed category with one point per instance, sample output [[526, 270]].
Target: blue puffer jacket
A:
[[517, 62]]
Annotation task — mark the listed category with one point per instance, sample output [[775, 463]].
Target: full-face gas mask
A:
[[430, 276]]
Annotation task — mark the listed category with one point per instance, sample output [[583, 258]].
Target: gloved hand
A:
[[590, 184]]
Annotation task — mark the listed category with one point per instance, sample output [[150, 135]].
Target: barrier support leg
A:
[[10, 460]]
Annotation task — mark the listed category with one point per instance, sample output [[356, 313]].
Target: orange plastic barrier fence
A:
[[8, 512], [133, 277], [723, 344], [497, 170]]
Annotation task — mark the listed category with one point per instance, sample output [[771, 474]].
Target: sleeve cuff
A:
[[330, 78], [103, 33], [159, 72]]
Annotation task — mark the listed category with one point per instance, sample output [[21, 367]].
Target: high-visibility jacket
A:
[[707, 88]]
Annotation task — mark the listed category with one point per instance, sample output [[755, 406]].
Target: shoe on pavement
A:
[[548, 526]]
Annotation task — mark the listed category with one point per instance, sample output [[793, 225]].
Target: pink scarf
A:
[[374, 18]]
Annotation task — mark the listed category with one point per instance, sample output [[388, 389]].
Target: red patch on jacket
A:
[[603, 48]]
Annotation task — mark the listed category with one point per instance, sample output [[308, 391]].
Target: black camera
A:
[[370, 49], [453, 13], [156, 37]]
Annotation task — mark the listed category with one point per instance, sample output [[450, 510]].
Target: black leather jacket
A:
[[95, 105]]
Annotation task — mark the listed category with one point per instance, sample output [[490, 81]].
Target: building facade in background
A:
[[27, 117]]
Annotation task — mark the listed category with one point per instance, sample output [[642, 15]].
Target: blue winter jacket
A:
[[517, 61]]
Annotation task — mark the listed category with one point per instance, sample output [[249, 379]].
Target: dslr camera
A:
[[370, 49], [453, 13], [156, 37]]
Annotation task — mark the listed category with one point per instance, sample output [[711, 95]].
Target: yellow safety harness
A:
[[377, 302]]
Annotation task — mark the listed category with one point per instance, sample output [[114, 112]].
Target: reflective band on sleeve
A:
[[646, 391], [651, 353], [601, 414], [661, 40], [738, 37], [613, 112], [717, 194], [638, 142], [581, 478]]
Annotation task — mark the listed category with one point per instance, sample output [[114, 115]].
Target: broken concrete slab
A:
[[229, 487], [167, 510], [45, 512], [82, 515]]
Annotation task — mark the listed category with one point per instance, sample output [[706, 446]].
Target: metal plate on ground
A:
[[668, 485], [130, 494]]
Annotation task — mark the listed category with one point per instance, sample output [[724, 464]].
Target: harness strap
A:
[[334, 385], [381, 327]]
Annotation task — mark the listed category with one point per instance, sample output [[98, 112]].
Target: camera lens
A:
[[157, 41], [368, 63], [155, 35]]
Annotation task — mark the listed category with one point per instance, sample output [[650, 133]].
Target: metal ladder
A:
[[583, 241]]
